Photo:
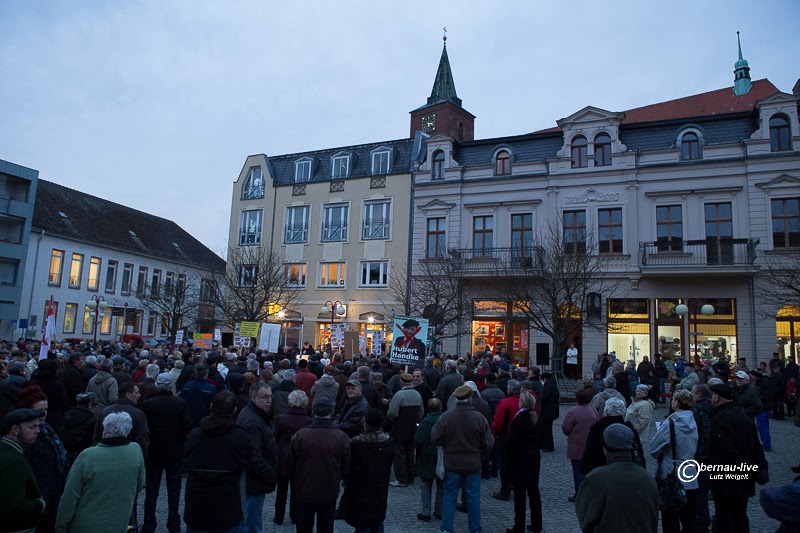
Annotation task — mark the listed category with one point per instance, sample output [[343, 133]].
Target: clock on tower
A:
[[429, 122]]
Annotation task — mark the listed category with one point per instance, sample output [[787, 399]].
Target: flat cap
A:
[[19, 416]]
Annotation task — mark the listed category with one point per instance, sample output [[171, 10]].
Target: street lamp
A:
[[682, 310], [334, 308], [282, 316], [98, 305]]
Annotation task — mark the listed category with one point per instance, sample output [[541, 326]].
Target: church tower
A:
[[443, 112], [741, 74]]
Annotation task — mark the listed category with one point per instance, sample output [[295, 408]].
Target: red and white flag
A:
[[49, 330]]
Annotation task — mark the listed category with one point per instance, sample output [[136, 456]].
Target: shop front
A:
[[500, 327], [629, 328], [787, 327]]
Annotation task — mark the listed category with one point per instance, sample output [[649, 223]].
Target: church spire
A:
[[444, 88], [741, 73]]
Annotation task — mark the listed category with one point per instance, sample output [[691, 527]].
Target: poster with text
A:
[[408, 347], [270, 337]]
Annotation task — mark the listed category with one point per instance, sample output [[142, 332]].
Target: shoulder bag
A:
[[671, 494]]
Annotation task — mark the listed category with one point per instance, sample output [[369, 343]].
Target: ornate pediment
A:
[[436, 204], [781, 182], [593, 195], [590, 114]]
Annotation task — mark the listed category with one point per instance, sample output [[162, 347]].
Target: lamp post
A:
[[282, 316], [334, 308], [98, 305], [682, 310]]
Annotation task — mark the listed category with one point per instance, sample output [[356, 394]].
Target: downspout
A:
[[753, 320], [33, 279], [410, 250]]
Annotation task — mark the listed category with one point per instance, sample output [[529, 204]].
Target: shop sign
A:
[[489, 308]]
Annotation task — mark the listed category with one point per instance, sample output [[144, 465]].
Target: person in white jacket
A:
[[682, 519], [640, 413]]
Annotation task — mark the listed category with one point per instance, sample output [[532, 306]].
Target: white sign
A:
[[270, 337], [179, 337], [337, 335], [217, 334], [377, 341]]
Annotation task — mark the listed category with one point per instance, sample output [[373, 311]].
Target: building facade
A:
[[17, 196], [85, 248]]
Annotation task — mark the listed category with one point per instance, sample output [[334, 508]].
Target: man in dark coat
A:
[[405, 410], [127, 400], [593, 456], [281, 392], [77, 426], [550, 401], [286, 425], [421, 386], [431, 374], [350, 418], [366, 488], [733, 441], [198, 395], [255, 420], [169, 423], [321, 458], [449, 382], [72, 378]]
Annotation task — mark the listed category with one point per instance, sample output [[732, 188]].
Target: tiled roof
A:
[[73, 214], [524, 148], [714, 131]]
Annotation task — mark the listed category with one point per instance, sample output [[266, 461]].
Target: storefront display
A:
[[496, 327]]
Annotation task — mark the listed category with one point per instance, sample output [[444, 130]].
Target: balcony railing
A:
[[708, 252], [496, 259], [253, 193]]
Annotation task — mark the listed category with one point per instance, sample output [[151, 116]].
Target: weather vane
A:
[[444, 38]]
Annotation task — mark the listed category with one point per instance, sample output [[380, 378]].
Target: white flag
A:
[[49, 331]]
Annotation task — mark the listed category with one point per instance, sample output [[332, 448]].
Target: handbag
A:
[[440, 462], [671, 494]]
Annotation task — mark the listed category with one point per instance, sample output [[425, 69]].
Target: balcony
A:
[[718, 254], [495, 260]]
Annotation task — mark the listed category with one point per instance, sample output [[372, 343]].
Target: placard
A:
[[408, 347], [179, 337], [270, 337], [248, 329]]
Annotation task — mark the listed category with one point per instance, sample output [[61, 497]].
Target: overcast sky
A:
[[155, 104]]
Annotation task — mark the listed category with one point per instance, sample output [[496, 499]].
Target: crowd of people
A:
[[87, 428]]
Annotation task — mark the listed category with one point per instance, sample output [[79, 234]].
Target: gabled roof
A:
[[73, 214]]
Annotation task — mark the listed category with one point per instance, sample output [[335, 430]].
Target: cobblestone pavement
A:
[[556, 487]]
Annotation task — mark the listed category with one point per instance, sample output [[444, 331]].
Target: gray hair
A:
[[514, 386], [152, 370], [297, 398], [99, 359], [617, 365], [117, 425], [258, 386], [179, 364], [610, 383], [252, 365], [91, 360], [106, 365], [614, 407]]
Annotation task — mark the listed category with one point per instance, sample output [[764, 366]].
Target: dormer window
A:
[[381, 162], [340, 165], [437, 169], [302, 171], [779, 138], [502, 163], [254, 186], [690, 146], [579, 152], [602, 150]]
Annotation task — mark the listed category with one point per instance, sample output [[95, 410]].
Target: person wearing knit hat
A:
[[595, 504], [405, 410]]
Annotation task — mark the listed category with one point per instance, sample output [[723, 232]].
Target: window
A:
[[155, 283], [377, 222], [380, 162], [690, 146], [339, 166], [180, 286], [8, 272], [70, 313], [250, 228], [609, 231], [579, 151], [95, 264], [127, 279], [331, 275], [169, 283], [521, 235], [151, 323], [502, 163], [141, 282], [719, 221], [88, 318], [334, 222], [602, 150], [111, 276], [302, 171], [254, 186], [574, 232], [105, 323], [75, 271], [779, 138], [786, 223], [208, 290], [56, 265], [296, 224], [248, 275], [374, 274], [295, 275], [669, 228], [437, 170], [482, 236], [436, 238]]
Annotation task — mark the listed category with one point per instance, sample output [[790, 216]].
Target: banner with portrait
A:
[[408, 346]]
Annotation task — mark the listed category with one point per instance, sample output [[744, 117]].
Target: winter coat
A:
[[325, 387], [350, 418], [366, 488], [734, 440], [57, 403], [428, 454], [549, 399], [593, 455], [305, 382], [702, 417], [576, 425], [747, 400], [169, 424], [289, 423], [77, 431], [216, 455], [48, 460], [522, 450], [781, 503], [112, 471], [73, 381], [466, 437], [262, 478], [447, 385], [140, 433], [198, 394], [504, 414], [405, 410], [321, 458], [685, 445], [640, 414], [493, 396], [105, 389], [280, 397], [599, 400], [23, 506]]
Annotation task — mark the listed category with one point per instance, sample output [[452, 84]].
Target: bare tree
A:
[[778, 282], [177, 301], [256, 285]]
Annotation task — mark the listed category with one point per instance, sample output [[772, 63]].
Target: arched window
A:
[[602, 150], [438, 166], [580, 148], [779, 138], [502, 164], [690, 146]]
